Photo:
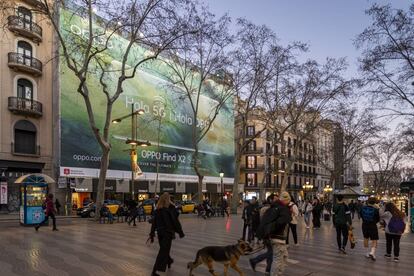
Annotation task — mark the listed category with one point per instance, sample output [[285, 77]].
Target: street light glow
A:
[[140, 111], [116, 121]]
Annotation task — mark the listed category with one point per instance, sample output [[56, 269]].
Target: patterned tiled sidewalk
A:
[[87, 248]]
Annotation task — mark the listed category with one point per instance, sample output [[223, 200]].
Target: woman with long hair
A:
[[166, 224], [394, 228], [294, 211]]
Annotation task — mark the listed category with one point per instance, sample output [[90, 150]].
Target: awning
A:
[[349, 191], [20, 165], [35, 178]]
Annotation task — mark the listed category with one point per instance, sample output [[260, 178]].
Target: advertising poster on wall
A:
[[3, 192], [167, 122]]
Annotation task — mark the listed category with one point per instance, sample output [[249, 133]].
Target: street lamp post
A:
[[328, 190], [307, 187], [135, 169], [222, 188]]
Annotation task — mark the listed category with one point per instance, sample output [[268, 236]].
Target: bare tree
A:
[[256, 61], [385, 159], [355, 130], [153, 25], [198, 69], [387, 60], [296, 106]]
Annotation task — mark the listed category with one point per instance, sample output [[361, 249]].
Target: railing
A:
[[253, 151], [25, 106], [20, 59], [15, 21], [257, 168], [35, 152]]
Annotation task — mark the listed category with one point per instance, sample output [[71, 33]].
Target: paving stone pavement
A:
[[88, 248]]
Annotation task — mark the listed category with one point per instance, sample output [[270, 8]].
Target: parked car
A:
[[187, 206], [89, 210]]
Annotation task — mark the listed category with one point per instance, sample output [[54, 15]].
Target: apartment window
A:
[[252, 146], [282, 165], [296, 168], [289, 141], [24, 89], [300, 168], [276, 150], [251, 162], [289, 153], [267, 147], [294, 142], [25, 52], [251, 179], [25, 16], [25, 137], [289, 181], [250, 131], [269, 180], [305, 169]]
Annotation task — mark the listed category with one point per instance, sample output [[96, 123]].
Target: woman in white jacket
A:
[[307, 212], [294, 210]]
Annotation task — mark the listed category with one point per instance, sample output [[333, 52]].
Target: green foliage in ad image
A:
[[168, 116]]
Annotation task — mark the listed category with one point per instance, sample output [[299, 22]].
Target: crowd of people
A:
[[273, 220], [270, 224]]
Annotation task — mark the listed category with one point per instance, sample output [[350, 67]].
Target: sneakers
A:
[[252, 265], [342, 250], [372, 257], [37, 227], [396, 259], [388, 256]]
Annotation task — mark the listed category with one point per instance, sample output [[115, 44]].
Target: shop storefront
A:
[[10, 197], [82, 189], [191, 189], [142, 190]]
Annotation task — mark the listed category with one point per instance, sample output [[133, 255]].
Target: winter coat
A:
[[281, 215], [50, 207], [341, 214], [166, 223]]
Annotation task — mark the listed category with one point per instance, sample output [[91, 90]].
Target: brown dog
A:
[[227, 255]]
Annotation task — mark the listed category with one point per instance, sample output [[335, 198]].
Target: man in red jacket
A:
[[50, 211]]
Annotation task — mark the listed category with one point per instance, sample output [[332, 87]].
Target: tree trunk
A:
[[235, 198], [100, 196], [200, 188]]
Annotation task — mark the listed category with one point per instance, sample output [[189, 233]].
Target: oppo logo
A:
[[84, 34]]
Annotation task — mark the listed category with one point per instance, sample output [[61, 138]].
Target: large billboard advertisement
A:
[[167, 122]]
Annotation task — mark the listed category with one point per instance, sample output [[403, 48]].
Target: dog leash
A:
[[254, 251]]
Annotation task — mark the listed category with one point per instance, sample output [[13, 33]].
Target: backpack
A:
[[267, 224], [368, 214], [396, 225]]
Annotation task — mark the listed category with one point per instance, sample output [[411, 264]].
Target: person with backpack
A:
[[268, 255], [274, 226], [370, 218], [294, 211], [394, 228], [342, 221]]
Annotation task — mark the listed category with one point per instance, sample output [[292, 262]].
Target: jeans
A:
[[247, 228], [280, 256], [307, 218], [294, 233], [390, 238], [268, 256], [341, 230]]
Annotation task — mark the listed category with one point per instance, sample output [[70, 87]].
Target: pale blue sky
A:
[[329, 26]]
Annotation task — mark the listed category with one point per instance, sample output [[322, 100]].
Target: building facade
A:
[[325, 153], [25, 96], [266, 164]]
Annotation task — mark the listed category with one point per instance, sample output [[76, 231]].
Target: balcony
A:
[[25, 107], [35, 3], [253, 151], [26, 64], [25, 28], [34, 152], [257, 168]]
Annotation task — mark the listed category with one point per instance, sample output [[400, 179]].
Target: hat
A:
[[284, 196]]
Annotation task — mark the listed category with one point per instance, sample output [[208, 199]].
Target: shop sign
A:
[[62, 182], [83, 185], [3, 192]]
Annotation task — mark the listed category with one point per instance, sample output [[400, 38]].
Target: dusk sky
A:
[[328, 26]]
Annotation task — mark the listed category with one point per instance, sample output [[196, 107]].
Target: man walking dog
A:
[[274, 225]]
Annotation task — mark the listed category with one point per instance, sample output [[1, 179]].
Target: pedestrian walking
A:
[[352, 208], [268, 255], [342, 221], [225, 207], [358, 208], [294, 211], [50, 211], [247, 221], [57, 205], [255, 217], [166, 224], [307, 212], [394, 228], [133, 212], [370, 218], [316, 213]]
